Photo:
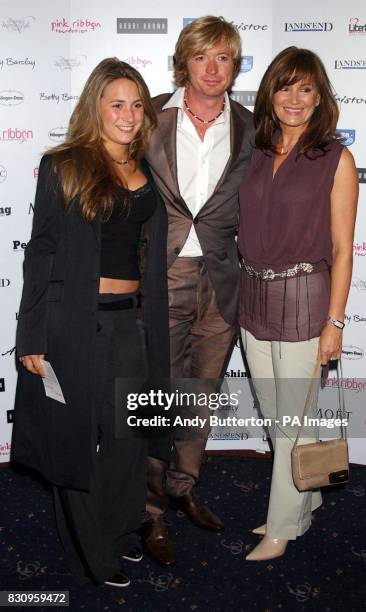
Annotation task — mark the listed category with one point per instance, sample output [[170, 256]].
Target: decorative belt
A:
[[270, 274]]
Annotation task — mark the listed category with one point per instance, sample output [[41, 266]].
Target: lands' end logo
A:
[[11, 97], [350, 64], [57, 134], [355, 28], [348, 136], [352, 352], [311, 26], [134, 25]]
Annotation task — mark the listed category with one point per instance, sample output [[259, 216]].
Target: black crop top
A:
[[121, 233]]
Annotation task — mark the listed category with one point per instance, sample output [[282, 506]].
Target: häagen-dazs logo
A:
[[77, 26], [352, 352], [11, 24], [11, 97], [350, 64], [57, 134], [355, 27], [16, 61], [137, 25], [347, 136], [69, 63], [309, 26], [3, 174], [15, 135], [246, 63], [245, 98]]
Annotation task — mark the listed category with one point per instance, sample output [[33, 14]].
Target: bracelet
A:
[[336, 322]]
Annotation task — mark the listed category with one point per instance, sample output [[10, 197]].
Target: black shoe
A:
[[119, 580], [135, 554]]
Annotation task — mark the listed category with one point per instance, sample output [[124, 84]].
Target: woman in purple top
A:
[[297, 214]]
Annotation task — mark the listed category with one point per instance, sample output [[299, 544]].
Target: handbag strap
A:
[[310, 394]]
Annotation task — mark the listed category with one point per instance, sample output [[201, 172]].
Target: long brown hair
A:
[[288, 67], [201, 35], [83, 166]]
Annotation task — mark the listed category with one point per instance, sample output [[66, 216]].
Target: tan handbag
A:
[[320, 464]]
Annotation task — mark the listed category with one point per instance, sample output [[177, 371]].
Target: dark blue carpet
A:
[[324, 571]]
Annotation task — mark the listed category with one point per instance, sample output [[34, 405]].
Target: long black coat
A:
[[58, 317]]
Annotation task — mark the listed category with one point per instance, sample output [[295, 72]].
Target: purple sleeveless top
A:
[[285, 221]]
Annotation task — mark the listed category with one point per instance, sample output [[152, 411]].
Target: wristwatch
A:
[[336, 322]]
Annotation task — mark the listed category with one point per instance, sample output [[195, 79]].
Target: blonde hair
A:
[[201, 35], [82, 164]]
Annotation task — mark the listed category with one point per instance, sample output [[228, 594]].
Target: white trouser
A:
[[281, 373]]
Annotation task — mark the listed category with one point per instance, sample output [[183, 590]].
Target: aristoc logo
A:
[[2, 385], [57, 134], [353, 100], [247, 27], [245, 98], [355, 27], [4, 449], [12, 61], [4, 282], [3, 174], [11, 97], [18, 246], [361, 175], [352, 352], [348, 136], [17, 25], [78, 26], [53, 97], [359, 249], [246, 63], [69, 63], [9, 352], [134, 25], [350, 64], [5, 211], [309, 26], [16, 135], [359, 284], [138, 62]]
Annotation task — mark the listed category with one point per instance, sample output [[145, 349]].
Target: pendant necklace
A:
[[120, 162], [204, 121]]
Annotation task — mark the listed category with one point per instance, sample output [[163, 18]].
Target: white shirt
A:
[[200, 163]]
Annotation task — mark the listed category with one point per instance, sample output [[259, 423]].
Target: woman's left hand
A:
[[330, 343]]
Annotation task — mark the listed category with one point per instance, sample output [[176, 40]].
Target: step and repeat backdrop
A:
[[47, 51]]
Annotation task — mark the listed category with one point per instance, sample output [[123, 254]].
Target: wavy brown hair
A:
[[83, 166], [288, 67], [200, 36]]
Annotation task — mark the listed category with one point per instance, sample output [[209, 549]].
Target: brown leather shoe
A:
[[196, 510], [157, 541]]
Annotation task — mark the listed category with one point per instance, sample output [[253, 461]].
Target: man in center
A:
[[198, 155]]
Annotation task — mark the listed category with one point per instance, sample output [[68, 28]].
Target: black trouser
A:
[[99, 525]]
